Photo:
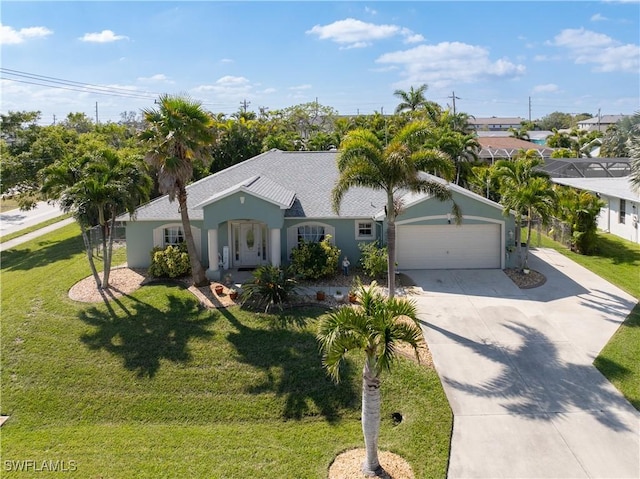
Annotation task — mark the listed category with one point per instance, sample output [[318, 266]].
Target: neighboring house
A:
[[619, 216], [257, 211], [494, 148], [495, 123], [599, 123]]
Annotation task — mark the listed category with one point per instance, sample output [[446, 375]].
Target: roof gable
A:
[[261, 187]]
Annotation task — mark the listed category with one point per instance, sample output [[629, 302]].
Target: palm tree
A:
[[414, 100], [377, 328], [527, 191], [95, 189], [179, 134], [365, 162]]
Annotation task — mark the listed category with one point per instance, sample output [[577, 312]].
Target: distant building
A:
[[599, 123], [502, 147], [496, 123]]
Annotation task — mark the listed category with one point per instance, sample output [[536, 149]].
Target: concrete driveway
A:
[[516, 366]]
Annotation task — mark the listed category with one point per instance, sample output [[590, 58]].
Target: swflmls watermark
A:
[[33, 465]]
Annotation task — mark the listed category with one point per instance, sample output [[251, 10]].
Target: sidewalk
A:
[[34, 234]]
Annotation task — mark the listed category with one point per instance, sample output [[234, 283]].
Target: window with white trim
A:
[[311, 233], [308, 231], [173, 235], [623, 211], [365, 230]]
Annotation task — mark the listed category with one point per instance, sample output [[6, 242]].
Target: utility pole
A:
[[529, 109], [599, 119], [96, 113], [244, 104], [454, 98], [54, 120]]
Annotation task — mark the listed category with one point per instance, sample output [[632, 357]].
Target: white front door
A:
[[250, 244]]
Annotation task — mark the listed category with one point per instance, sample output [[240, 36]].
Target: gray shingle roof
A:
[[275, 175]]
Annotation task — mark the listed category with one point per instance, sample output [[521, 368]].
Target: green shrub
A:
[[170, 262], [270, 286], [373, 259], [315, 260]]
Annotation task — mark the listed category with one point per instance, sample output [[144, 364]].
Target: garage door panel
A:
[[448, 246]]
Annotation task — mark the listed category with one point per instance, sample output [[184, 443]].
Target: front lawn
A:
[[154, 386]]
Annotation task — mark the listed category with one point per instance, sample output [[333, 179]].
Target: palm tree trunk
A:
[[391, 246], [370, 418], [197, 271], [105, 256], [526, 251], [88, 250], [108, 256]]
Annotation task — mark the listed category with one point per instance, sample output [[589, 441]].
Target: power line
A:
[[59, 83]]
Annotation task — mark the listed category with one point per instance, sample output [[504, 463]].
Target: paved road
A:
[[516, 366], [16, 220]]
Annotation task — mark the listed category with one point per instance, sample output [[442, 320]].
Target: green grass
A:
[[154, 386], [617, 261], [618, 361], [22, 232]]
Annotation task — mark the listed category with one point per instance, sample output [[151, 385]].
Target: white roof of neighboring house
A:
[[603, 120], [611, 187], [497, 120]]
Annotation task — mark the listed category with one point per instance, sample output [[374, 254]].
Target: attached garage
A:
[[467, 246]]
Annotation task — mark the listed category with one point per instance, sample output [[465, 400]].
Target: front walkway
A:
[[516, 366]]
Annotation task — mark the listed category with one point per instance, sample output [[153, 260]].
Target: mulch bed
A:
[[526, 281]]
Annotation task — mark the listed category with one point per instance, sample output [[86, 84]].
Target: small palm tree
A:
[[527, 191], [95, 189], [396, 168], [377, 328], [179, 134]]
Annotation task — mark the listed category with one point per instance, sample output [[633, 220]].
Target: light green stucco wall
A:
[[230, 208]]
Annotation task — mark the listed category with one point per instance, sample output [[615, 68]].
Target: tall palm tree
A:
[[376, 327], [414, 100], [527, 191], [365, 162], [179, 134]]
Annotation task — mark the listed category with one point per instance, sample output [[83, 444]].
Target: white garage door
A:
[[448, 246]]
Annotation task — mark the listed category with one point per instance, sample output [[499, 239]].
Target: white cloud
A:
[[226, 60], [227, 87], [598, 18], [547, 88], [157, 78], [370, 11], [605, 53], [449, 62], [105, 36], [11, 36], [352, 33], [300, 87]]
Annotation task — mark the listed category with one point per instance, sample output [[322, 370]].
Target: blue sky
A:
[[572, 57]]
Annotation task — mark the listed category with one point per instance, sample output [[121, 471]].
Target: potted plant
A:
[[320, 295], [353, 296], [338, 296], [233, 294], [353, 291], [219, 289]]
